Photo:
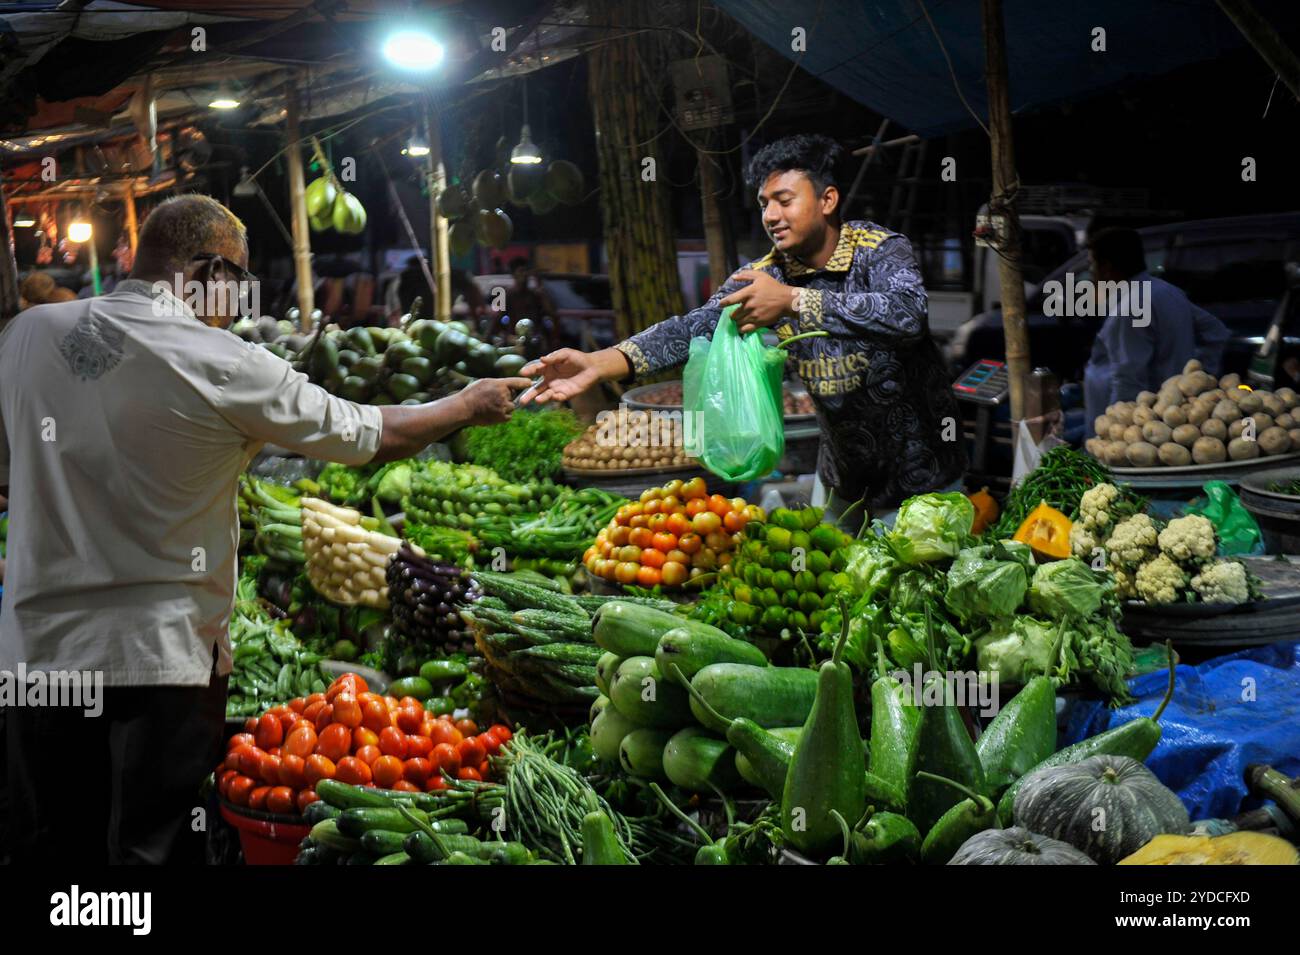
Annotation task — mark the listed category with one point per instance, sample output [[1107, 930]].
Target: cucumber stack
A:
[[647, 721]]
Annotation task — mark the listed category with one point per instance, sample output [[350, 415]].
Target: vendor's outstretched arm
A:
[[409, 429]]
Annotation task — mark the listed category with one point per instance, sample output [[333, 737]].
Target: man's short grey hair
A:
[[184, 226]]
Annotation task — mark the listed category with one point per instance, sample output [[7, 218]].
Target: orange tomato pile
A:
[[355, 736], [674, 534]]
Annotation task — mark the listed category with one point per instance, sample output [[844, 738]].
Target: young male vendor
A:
[[889, 421]]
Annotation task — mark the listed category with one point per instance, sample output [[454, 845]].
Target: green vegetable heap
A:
[[528, 447]]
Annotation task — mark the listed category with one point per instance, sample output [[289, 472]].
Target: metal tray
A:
[[1233, 467]]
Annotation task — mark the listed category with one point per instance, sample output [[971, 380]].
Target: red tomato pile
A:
[[675, 533], [355, 736]]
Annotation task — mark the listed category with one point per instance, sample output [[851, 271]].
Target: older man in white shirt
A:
[[125, 421]]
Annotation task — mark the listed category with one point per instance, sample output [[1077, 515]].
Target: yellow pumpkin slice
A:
[[1236, 848], [1047, 531]]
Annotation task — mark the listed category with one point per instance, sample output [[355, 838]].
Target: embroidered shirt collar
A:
[[840, 261]]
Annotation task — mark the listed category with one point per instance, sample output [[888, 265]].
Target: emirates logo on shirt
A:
[[92, 348]]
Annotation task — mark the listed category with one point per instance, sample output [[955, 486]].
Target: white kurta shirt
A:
[[124, 426]]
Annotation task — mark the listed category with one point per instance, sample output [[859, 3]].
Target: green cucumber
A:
[[382, 842], [1136, 739], [1021, 736], [416, 686], [319, 811], [770, 696], [356, 822], [419, 845], [605, 668], [786, 737], [634, 630], [647, 698], [641, 753], [394, 858], [692, 650], [327, 834], [441, 671], [607, 732], [697, 761]]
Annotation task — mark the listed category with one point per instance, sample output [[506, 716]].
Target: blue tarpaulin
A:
[[1225, 714], [884, 54]]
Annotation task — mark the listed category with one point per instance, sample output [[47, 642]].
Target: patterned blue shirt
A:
[[889, 420]]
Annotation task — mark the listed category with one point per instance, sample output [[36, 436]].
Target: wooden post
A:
[[8, 264], [298, 209], [132, 226], [720, 251], [1266, 41], [1002, 203], [439, 239]]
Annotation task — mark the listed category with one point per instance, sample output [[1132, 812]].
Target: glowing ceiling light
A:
[[79, 231], [413, 50], [23, 221], [526, 152]]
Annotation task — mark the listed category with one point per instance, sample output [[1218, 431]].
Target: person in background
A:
[[528, 299], [1130, 356], [36, 289], [468, 303], [61, 294], [127, 530], [411, 284]]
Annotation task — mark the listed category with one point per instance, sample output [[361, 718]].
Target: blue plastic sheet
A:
[[1226, 713]]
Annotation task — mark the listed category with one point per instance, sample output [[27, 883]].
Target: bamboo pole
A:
[[1266, 41], [439, 230], [715, 227], [8, 264], [298, 209], [1002, 203], [132, 226]]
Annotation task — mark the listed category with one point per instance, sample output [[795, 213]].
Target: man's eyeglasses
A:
[[242, 274]]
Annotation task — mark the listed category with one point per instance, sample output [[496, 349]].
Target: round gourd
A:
[[1101, 426], [1243, 449], [1274, 441], [1229, 382], [1141, 454], [1157, 432], [1116, 432], [1142, 414], [1208, 451], [1016, 846], [1175, 455], [1249, 403], [1105, 806], [1146, 399], [1174, 416], [1186, 434], [1227, 410], [1214, 428], [1132, 434]]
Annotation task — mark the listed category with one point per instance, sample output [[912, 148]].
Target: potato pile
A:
[[1197, 420], [628, 439]]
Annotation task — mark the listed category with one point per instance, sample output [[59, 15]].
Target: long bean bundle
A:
[[1060, 479]]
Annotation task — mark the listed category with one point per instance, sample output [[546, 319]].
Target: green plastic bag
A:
[[731, 394], [1236, 527]]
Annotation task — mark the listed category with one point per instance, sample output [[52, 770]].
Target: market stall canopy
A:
[[885, 54]]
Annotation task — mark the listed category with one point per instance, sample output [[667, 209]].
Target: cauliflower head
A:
[[1222, 582], [1133, 541], [1082, 541], [1096, 506], [1188, 538], [1125, 583], [1159, 580]]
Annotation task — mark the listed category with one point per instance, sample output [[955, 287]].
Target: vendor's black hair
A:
[[1121, 248], [815, 156]]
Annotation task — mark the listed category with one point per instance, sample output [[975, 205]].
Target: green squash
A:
[[1016, 846], [1106, 806]]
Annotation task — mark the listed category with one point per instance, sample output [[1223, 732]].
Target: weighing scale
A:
[[984, 385]]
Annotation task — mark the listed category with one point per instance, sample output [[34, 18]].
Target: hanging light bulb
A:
[[223, 99], [245, 186], [413, 50], [417, 146], [79, 230], [23, 220], [526, 152]]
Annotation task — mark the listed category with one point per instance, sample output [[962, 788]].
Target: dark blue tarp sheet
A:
[[884, 54], [1226, 713]]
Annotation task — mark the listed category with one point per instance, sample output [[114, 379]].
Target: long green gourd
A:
[[1021, 736], [894, 725]]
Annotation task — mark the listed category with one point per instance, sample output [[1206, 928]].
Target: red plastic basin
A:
[[265, 838]]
